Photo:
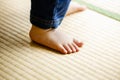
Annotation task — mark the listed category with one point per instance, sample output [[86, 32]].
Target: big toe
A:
[[78, 43]]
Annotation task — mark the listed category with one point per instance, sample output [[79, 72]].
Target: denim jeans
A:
[[48, 13]]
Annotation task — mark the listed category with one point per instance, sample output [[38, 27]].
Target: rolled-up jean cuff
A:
[[44, 23]]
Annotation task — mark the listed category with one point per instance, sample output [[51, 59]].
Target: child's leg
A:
[[46, 16]]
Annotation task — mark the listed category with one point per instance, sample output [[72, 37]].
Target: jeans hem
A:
[[44, 23]]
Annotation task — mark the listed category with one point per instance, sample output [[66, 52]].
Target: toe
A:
[[72, 48], [78, 43], [76, 47], [82, 7], [62, 49], [67, 47]]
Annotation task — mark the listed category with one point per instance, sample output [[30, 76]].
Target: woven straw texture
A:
[[21, 59], [108, 8]]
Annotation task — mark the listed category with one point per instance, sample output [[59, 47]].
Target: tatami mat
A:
[[110, 8], [111, 5], [21, 59]]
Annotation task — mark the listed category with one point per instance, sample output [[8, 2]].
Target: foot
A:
[[75, 7], [55, 39]]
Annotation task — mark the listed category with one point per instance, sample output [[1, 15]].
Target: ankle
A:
[[35, 30]]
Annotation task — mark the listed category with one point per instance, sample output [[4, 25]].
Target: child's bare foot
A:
[[55, 39], [75, 7]]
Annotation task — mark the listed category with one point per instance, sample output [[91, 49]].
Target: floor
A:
[[21, 59]]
